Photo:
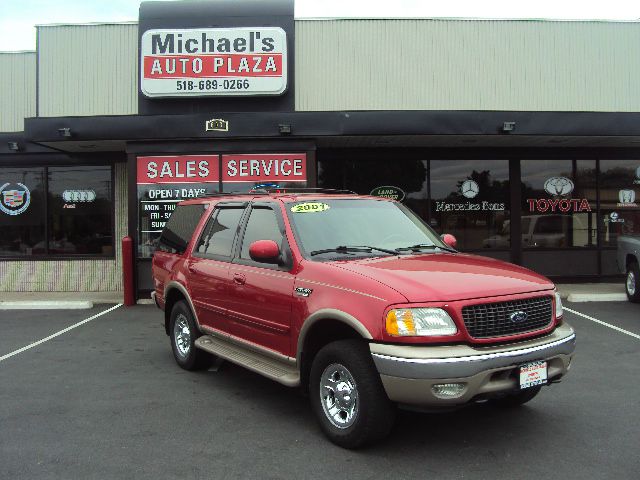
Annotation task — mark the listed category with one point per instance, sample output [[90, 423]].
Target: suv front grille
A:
[[495, 319]]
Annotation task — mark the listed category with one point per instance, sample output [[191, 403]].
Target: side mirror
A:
[[265, 251], [449, 240]]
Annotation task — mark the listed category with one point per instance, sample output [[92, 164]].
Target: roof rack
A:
[[272, 190], [226, 194], [300, 190]]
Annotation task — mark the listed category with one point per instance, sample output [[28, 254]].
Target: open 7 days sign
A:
[[213, 61]]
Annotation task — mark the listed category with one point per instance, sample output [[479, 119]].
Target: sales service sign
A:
[[277, 167], [213, 62]]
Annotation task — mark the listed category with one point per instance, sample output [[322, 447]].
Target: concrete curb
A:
[[46, 305], [597, 297]]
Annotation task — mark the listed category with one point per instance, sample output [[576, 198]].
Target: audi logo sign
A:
[[558, 186], [79, 195]]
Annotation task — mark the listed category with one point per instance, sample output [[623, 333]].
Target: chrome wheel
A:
[[631, 283], [182, 335], [339, 395]]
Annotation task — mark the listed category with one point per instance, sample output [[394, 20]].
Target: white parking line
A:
[[35, 344], [618, 329]]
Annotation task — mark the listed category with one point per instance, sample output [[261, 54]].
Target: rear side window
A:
[[262, 225], [180, 227], [217, 237]]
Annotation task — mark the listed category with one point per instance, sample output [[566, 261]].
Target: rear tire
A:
[[516, 399], [183, 332], [632, 285], [347, 395]]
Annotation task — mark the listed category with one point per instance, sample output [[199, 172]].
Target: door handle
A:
[[239, 278], [191, 268]]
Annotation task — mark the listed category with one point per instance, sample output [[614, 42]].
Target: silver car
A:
[[628, 260]]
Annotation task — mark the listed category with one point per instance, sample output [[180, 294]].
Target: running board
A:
[[281, 372]]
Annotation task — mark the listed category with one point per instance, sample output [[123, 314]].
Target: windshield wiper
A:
[[352, 249], [420, 246]]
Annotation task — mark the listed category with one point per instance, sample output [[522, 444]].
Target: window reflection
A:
[[470, 199], [619, 199], [80, 210], [22, 211], [559, 203]]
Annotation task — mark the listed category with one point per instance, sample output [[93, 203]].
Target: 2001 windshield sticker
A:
[[310, 207], [14, 198]]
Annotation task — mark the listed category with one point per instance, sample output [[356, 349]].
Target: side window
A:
[[179, 228], [217, 237], [262, 225]]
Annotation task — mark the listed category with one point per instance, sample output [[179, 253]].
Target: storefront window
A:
[[559, 203], [406, 178], [22, 211], [76, 213], [162, 182], [619, 199], [80, 211], [470, 199]]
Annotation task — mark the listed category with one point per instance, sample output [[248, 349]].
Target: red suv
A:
[[359, 302]]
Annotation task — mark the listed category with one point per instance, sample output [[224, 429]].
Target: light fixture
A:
[[284, 128], [64, 132], [508, 127], [13, 146]]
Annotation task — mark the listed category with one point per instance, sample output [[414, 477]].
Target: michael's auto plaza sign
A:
[[213, 61]]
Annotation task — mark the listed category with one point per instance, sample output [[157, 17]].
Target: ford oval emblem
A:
[[518, 317]]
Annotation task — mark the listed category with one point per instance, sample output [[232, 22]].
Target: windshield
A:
[[379, 224]]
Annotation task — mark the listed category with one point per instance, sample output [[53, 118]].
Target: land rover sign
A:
[[213, 62]]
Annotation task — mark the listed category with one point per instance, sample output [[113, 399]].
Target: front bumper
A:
[[409, 372]]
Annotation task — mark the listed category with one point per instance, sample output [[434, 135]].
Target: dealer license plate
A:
[[532, 374]]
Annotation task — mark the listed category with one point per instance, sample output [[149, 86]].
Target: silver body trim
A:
[[469, 365]]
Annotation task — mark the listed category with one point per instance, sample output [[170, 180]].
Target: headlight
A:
[[413, 322], [558, 306]]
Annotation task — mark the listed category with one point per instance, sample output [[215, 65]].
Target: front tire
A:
[[184, 332], [347, 395], [632, 285]]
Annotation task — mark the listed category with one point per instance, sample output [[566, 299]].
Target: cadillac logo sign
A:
[[216, 125], [558, 186], [14, 201]]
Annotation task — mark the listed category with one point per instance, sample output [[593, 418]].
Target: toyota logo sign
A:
[[558, 186], [79, 195]]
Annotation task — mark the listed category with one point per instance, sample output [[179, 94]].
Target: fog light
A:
[[449, 390]]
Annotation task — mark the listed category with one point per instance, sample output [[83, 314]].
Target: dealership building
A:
[[521, 138]]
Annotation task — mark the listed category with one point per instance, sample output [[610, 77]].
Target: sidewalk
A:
[[592, 292], [56, 300]]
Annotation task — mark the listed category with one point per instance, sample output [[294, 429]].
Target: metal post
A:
[[127, 271]]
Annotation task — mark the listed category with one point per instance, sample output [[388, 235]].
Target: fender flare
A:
[[173, 285], [329, 314]]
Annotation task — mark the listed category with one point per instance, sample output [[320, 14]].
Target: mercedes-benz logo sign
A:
[[518, 317], [558, 186], [469, 189], [78, 195]]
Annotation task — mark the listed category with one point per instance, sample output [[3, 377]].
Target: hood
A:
[[448, 277]]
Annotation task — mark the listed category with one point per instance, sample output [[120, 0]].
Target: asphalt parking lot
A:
[[106, 400]]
